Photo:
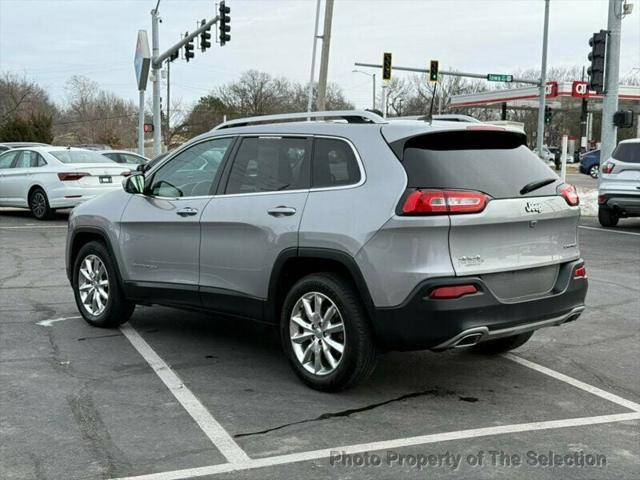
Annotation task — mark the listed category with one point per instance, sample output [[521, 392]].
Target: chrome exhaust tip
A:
[[468, 340]]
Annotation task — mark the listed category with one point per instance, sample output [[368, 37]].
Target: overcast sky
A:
[[50, 40]]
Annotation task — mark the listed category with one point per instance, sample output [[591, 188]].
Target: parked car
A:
[[547, 155], [10, 145], [351, 237], [590, 163], [619, 186], [44, 179], [124, 156]]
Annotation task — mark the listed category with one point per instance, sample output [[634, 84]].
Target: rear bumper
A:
[[423, 323], [628, 204]]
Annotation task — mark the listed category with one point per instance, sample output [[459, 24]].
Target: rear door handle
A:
[[187, 212], [281, 211]]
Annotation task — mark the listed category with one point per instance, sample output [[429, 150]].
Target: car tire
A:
[[94, 278], [594, 171], [502, 345], [607, 217], [335, 370], [39, 204]]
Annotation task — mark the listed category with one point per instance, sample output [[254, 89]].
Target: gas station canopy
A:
[[559, 95]]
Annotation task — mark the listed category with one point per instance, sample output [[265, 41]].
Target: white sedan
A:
[[46, 178]]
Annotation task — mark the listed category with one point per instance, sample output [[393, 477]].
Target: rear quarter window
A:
[[496, 163], [627, 152]]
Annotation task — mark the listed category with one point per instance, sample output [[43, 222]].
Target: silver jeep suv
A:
[[351, 234], [619, 184]]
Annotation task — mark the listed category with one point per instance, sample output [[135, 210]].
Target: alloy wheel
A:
[[317, 333], [38, 204], [93, 285]]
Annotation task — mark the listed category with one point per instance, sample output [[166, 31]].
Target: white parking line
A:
[[209, 425], [384, 445], [576, 383], [49, 322], [608, 230]]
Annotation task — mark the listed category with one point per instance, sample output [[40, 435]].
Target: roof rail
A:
[[351, 116]]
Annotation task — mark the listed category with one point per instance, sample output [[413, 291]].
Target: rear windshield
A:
[[79, 156], [496, 163], [627, 152]]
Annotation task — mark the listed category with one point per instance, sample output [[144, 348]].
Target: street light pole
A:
[[373, 77], [313, 58], [543, 80], [155, 51]]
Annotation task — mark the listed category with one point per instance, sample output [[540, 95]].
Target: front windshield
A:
[[79, 156]]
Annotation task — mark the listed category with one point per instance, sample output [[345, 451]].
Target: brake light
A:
[[70, 176], [452, 291], [607, 167], [602, 199], [126, 173], [581, 272], [434, 202], [569, 193]]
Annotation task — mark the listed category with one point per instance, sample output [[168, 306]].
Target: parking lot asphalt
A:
[[177, 394]]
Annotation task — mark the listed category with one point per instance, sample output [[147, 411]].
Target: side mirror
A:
[[134, 183]]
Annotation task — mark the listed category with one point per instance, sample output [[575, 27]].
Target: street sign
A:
[[499, 77], [148, 127], [386, 66], [142, 60]]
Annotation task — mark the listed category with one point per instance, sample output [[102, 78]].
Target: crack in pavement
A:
[[351, 411]]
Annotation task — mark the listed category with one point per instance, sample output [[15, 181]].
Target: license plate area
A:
[[105, 179]]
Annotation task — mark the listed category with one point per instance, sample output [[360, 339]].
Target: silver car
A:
[[352, 237], [619, 185]]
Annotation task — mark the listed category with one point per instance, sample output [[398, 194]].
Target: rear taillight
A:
[[70, 176], [607, 167], [580, 272], [452, 291], [126, 174], [437, 202], [602, 199], [569, 193]]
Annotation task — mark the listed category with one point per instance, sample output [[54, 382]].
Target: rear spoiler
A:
[[474, 137]]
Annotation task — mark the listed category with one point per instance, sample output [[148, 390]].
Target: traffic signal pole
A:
[[543, 81], [156, 65], [612, 76]]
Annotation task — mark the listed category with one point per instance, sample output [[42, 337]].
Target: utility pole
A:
[[609, 131], [313, 58], [324, 58], [543, 80], [583, 121], [155, 51]]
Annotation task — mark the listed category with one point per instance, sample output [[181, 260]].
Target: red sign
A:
[[551, 89], [148, 127], [580, 89]]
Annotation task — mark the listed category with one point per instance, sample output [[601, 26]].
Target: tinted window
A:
[[270, 164], [6, 159], [192, 172], [334, 164], [112, 156], [496, 163], [79, 156], [627, 152]]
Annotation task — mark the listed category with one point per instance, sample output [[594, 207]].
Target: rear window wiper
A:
[[530, 187]]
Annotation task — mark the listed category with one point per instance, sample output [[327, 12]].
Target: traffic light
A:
[[598, 44], [548, 115], [386, 66], [188, 49], [205, 37], [433, 71], [223, 23]]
